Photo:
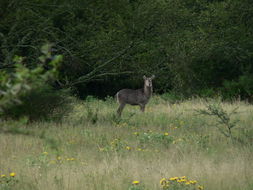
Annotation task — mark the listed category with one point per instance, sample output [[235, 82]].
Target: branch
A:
[[93, 73], [11, 46], [100, 75]]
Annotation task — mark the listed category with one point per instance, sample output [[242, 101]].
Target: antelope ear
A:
[[153, 76], [144, 77]]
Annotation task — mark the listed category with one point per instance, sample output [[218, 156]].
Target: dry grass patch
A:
[[166, 141]]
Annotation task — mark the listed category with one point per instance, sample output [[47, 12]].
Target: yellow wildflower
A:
[[193, 182], [135, 182], [3, 175], [128, 148], [45, 153], [163, 181], [200, 187], [173, 178], [136, 133], [58, 158], [166, 134], [183, 177], [12, 174], [181, 180], [187, 183]]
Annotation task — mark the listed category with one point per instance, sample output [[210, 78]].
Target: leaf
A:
[[42, 58], [18, 59], [46, 48], [16, 89]]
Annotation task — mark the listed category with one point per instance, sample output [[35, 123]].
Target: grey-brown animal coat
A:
[[135, 97]]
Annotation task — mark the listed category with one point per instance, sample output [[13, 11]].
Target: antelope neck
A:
[[147, 91]]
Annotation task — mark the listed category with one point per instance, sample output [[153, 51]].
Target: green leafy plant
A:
[[115, 145], [24, 83], [172, 97], [224, 122], [241, 88], [92, 114], [8, 181], [157, 138]]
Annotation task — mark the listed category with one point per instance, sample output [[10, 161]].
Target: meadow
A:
[[91, 148]]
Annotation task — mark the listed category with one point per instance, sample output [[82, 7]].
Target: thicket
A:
[[194, 47]]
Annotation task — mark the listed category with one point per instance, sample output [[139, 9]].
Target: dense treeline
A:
[[200, 47]]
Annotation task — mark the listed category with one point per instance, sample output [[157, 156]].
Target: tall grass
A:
[[93, 149]]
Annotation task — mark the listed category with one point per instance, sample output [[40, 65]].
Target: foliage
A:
[[155, 138], [242, 88], [224, 122], [25, 90], [92, 115], [44, 103], [8, 181], [172, 97], [108, 45]]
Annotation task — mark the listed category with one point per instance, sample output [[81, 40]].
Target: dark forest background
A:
[[194, 47]]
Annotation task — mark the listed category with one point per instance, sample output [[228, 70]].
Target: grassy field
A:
[[94, 150]]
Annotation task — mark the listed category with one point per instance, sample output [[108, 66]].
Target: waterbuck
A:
[[135, 97]]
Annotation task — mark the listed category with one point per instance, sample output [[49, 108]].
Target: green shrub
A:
[[172, 97], [26, 91], [155, 138], [242, 88], [208, 93], [44, 103]]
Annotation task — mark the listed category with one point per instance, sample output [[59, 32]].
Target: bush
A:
[[208, 93], [242, 88], [44, 103], [172, 97], [26, 91]]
